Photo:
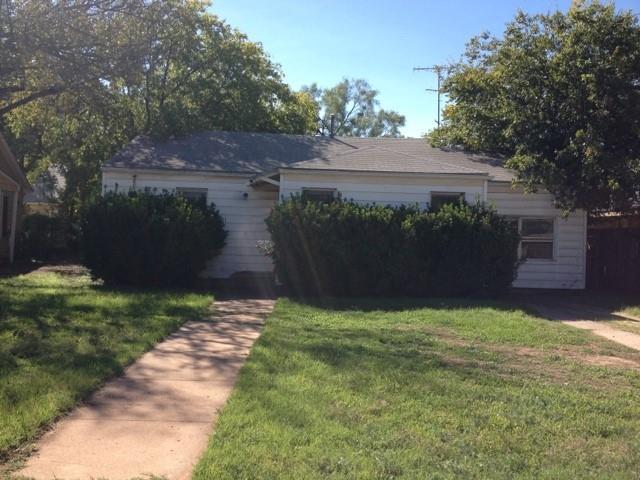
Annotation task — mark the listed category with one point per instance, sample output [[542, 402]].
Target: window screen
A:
[[196, 195], [537, 250], [438, 199], [318, 195], [537, 227], [536, 238]]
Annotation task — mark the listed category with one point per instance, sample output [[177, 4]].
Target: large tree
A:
[[50, 47], [356, 110], [559, 96], [92, 74]]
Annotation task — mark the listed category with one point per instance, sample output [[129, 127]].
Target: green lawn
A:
[[61, 336], [417, 390], [631, 307]]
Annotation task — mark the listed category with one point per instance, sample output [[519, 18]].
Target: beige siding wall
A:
[[244, 217], [383, 190], [567, 269]]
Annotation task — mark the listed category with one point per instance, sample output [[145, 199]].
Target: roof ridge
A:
[[357, 150]]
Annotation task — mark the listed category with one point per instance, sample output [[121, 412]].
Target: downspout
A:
[[280, 188]]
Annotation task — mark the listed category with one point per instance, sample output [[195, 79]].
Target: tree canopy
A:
[[356, 108], [559, 96], [80, 78]]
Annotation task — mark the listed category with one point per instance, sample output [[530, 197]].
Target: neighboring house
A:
[[245, 174], [44, 198], [13, 187]]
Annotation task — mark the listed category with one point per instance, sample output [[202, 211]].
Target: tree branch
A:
[[11, 89], [52, 90]]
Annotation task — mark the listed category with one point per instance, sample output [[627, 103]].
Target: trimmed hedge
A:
[[143, 239], [346, 249]]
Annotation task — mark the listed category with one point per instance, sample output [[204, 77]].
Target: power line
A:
[[438, 69]]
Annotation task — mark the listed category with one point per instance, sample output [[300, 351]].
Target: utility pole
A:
[[438, 69]]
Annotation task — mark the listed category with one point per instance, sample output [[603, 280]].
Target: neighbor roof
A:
[[267, 152]]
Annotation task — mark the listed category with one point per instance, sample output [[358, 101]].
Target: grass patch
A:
[[61, 336], [626, 325], [630, 309], [633, 310], [412, 389]]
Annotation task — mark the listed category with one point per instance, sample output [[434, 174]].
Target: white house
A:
[[13, 187], [245, 174]]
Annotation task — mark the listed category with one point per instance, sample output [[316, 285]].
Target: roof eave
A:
[[22, 181], [180, 171], [483, 175]]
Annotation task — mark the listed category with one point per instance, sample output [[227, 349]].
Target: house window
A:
[[438, 199], [319, 195], [195, 195], [536, 237]]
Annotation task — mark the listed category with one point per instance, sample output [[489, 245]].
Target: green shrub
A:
[[41, 237], [144, 239], [347, 249], [460, 249]]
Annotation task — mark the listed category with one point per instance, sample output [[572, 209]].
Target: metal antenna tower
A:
[[438, 69]]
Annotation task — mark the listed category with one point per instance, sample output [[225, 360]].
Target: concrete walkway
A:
[[587, 318], [157, 418]]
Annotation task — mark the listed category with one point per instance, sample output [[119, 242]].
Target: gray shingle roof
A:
[[267, 152]]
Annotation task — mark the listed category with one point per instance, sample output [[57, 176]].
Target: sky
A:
[[380, 41]]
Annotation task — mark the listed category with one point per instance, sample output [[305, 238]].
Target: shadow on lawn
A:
[[89, 329], [556, 305], [379, 364], [63, 335], [376, 359], [345, 304]]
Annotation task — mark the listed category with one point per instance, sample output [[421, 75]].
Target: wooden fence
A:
[[613, 254]]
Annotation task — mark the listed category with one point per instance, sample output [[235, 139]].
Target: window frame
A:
[[552, 238], [192, 190], [307, 190], [459, 196], [203, 199]]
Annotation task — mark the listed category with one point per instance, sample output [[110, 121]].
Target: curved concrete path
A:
[[157, 418]]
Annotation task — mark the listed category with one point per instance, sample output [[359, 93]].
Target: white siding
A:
[[382, 189], [567, 269], [244, 218]]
